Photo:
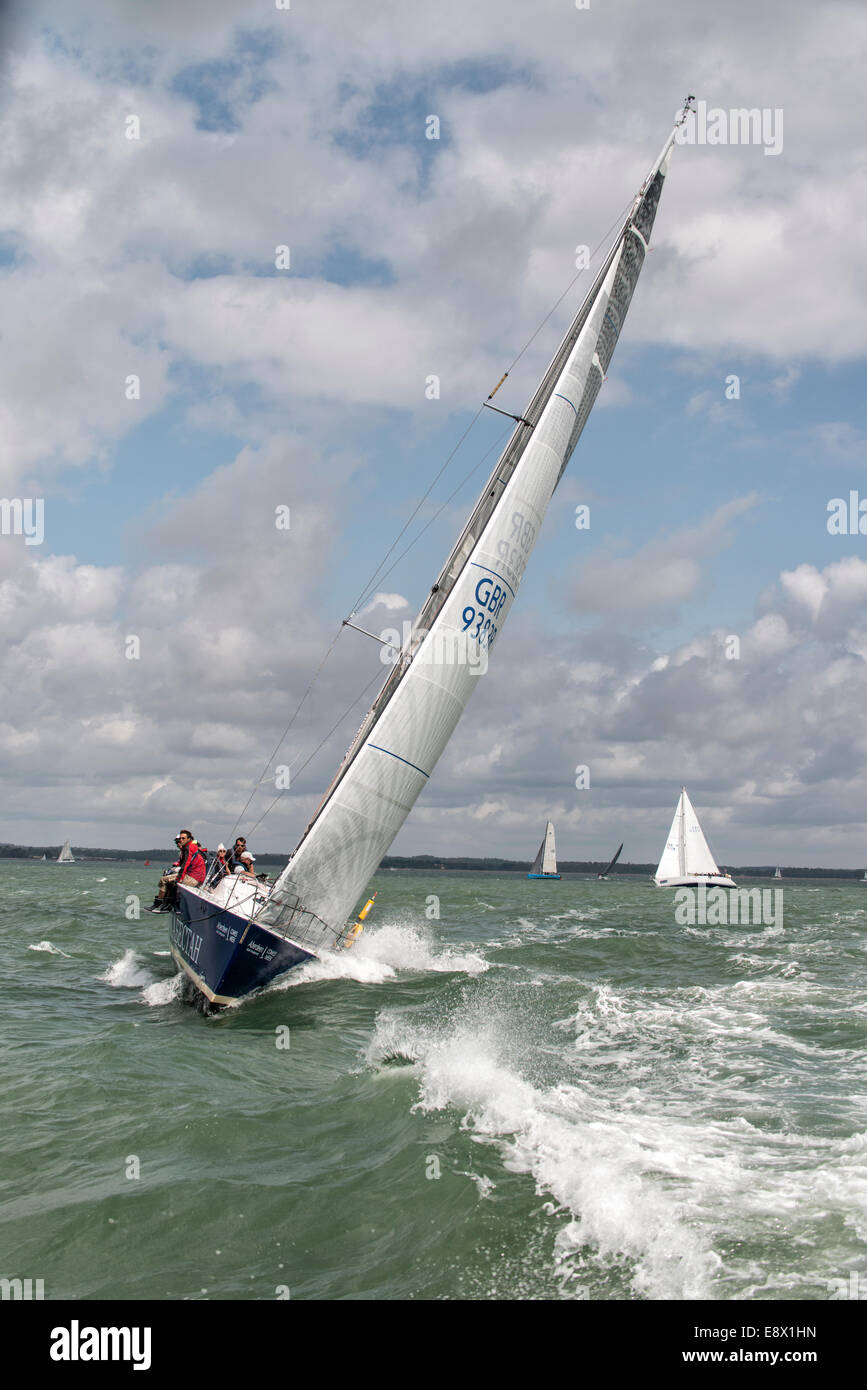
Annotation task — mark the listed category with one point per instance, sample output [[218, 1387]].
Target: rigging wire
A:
[[438, 513], [375, 576], [476, 466], [618, 221], [319, 746], [378, 576], [278, 745]]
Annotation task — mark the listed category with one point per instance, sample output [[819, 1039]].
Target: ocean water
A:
[[552, 1091]]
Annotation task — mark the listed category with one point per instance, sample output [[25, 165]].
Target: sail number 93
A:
[[480, 622]]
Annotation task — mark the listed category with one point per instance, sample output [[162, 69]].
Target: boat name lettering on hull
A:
[[186, 940]]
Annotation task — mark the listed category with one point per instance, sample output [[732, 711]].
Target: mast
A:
[[411, 719], [681, 848], [610, 866]]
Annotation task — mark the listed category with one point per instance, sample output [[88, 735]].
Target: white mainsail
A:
[[546, 860], [687, 853], [415, 713], [65, 855]]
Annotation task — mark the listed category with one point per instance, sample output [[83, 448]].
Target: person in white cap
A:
[[219, 868], [245, 868]]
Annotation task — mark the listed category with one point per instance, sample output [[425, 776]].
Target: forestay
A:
[[412, 718]]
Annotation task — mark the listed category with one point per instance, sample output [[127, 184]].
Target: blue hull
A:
[[224, 954], [543, 875]]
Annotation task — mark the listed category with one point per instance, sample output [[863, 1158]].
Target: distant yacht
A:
[[65, 855], [686, 860], [607, 871], [545, 863], [43, 859], [777, 873]]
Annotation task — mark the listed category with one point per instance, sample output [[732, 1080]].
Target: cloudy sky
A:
[[304, 386]]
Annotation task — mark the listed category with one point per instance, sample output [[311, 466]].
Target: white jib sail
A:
[[686, 852], [549, 858], [398, 746]]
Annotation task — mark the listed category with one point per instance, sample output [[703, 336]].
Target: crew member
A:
[[245, 868], [219, 868], [189, 870], [237, 850]]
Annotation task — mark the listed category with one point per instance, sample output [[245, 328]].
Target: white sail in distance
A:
[[65, 855], [687, 853], [411, 720], [546, 860], [549, 858]]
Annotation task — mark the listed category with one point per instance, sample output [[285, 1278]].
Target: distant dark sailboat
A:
[[607, 871]]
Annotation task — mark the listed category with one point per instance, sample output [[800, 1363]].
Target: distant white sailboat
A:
[[686, 860], [65, 855], [778, 873], [545, 863], [43, 859]]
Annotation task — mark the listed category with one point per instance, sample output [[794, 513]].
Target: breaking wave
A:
[[129, 972], [598, 1173], [381, 954]]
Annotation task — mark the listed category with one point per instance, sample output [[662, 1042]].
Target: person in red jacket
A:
[[189, 869]]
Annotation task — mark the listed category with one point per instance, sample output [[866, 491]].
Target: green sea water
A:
[[549, 1091]]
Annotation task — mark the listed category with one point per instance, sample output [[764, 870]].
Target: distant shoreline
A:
[[430, 863]]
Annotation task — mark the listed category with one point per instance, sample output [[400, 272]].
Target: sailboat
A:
[[778, 873], [686, 860], [65, 855], [606, 871], [545, 863], [237, 936], [44, 859]]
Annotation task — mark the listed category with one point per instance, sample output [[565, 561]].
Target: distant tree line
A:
[[156, 856], [429, 862], [595, 866]]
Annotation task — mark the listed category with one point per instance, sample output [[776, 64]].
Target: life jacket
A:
[[193, 863]]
